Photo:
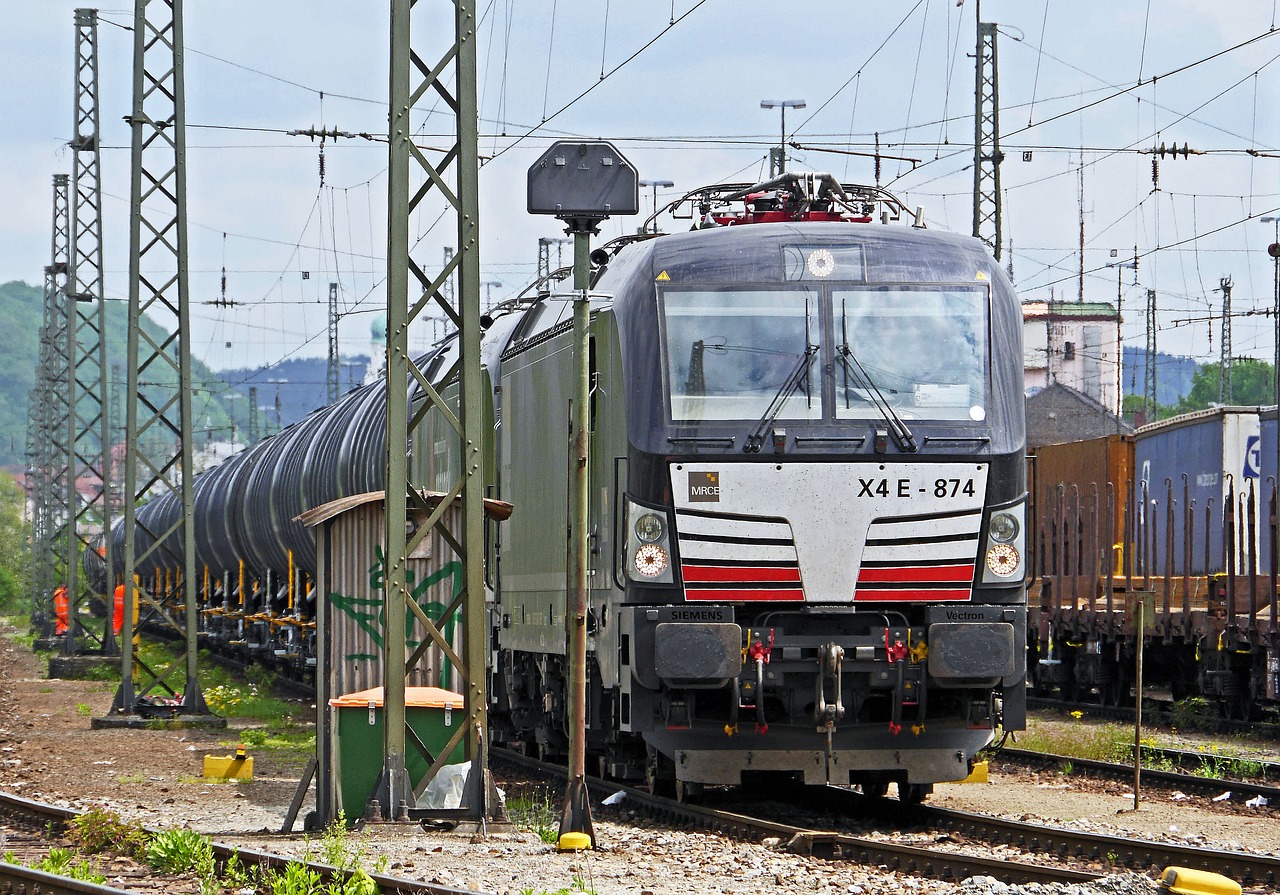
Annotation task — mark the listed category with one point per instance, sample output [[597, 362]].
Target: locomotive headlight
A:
[[1003, 559], [1003, 527], [1005, 545], [651, 560], [650, 528], [647, 545]]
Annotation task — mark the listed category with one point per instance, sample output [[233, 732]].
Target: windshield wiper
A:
[[788, 388], [902, 436]]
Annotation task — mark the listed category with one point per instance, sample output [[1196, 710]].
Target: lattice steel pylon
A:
[[47, 422], [331, 377], [986, 141], [1149, 405], [158, 395], [61, 455], [1225, 361], [421, 76], [89, 434]]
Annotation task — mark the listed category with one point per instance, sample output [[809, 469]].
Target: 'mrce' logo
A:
[[704, 486]]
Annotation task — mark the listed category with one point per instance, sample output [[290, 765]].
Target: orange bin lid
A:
[[414, 697]]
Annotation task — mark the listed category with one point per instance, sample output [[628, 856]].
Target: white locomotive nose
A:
[[910, 534]]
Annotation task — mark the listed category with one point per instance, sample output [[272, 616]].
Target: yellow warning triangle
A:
[[663, 277], [980, 276]]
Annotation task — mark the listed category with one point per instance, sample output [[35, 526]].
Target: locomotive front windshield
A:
[[730, 355], [743, 353], [923, 350]]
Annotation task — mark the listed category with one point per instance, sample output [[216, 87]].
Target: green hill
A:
[[21, 314]]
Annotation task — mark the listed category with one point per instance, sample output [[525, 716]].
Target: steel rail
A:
[[1179, 779], [1163, 716], [16, 878], [819, 843], [1139, 854], [42, 814]]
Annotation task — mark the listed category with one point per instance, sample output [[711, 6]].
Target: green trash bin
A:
[[431, 712]]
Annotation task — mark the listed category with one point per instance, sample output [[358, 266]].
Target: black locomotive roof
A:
[[753, 252], [756, 253]]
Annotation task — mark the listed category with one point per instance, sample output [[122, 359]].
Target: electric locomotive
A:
[[807, 498]]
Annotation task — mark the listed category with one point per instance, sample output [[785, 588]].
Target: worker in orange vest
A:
[[118, 615], [61, 610], [118, 619]]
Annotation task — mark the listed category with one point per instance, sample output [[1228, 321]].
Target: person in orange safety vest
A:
[[61, 610], [118, 615]]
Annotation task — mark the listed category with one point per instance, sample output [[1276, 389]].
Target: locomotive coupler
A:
[[758, 653], [830, 666], [897, 653]]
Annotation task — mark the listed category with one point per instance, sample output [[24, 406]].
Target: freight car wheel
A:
[[914, 793], [687, 792], [875, 790], [659, 774]]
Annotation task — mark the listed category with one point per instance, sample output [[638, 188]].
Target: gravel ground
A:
[[49, 752]]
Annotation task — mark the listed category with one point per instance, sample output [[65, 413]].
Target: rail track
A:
[[1159, 712], [1177, 779], [35, 817], [917, 860], [1048, 852]]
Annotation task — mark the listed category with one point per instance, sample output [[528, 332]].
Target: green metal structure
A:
[[61, 467], [45, 483], [986, 141], [86, 387], [421, 76], [158, 398]]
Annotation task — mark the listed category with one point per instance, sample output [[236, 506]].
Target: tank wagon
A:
[[1182, 517], [808, 501]]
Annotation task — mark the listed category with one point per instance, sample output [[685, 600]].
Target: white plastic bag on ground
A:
[[445, 790]]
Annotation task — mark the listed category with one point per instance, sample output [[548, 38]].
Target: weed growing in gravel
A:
[[101, 829], [83, 709], [64, 862], [180, 851], [537, 814], [294, 879], [1222, 767], [1194, 713], [579, 886]]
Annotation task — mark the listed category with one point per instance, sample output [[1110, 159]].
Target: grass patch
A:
[[1098, 742], [284, 738], [535, 812]]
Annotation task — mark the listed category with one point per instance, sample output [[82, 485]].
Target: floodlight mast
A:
[[779, 162], [581, 184]]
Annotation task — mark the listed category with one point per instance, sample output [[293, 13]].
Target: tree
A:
[[1252, 383], [13, 543]]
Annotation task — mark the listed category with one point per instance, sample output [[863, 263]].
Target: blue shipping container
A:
[[1214, 449]]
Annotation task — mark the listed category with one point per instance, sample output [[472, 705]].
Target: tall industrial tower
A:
[[1149, 405], [50, 452], [89, 433], [158, 411], [1225, 358], [986, 141], [439, 73], [331, 377]]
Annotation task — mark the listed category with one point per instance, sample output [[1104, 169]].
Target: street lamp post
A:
[[779, 163], [665, 184]]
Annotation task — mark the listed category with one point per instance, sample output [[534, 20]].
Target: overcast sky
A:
[[686, 109]]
